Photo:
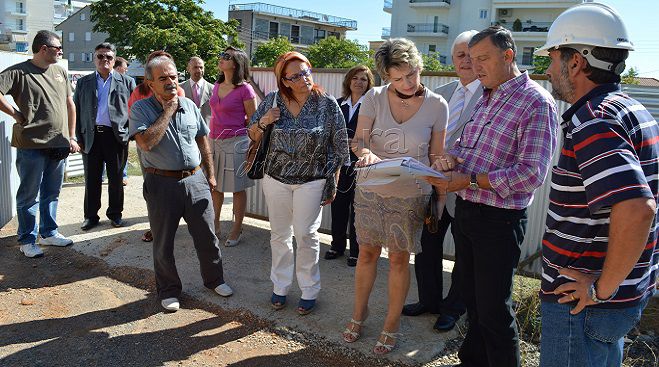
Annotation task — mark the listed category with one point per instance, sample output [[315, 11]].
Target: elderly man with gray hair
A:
[[462, 95], [172, 136]]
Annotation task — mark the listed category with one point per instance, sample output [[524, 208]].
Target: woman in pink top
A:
[[232, 103]]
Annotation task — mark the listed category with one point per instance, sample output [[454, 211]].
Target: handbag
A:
[[431, 217], [257, 151]]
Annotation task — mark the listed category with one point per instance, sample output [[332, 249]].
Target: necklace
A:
[[405, 97]]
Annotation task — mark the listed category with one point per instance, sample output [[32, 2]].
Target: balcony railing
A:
[[427, 28], [431, 1], [296, 13], [386, 32], [527, 26]]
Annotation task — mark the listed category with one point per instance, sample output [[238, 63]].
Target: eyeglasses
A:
[[104, 57], [58, 48], [302, 74], [226, 56]]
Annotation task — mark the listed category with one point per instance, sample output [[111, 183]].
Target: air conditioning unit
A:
[[504, 13]]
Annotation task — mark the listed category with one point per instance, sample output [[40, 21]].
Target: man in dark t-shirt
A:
[[43, 136]]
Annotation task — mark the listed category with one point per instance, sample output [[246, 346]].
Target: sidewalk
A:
[[247, 270]]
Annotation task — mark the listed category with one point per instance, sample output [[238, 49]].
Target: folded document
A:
[[390, 170]]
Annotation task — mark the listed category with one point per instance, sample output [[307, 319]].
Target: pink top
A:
[[228, 117]]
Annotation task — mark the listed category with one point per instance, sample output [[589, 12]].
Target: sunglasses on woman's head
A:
[[226, 56]]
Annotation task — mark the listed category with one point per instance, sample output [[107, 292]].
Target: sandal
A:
[[382, 347], [147, 236], [278, 302], [305, 306], [350, 335]]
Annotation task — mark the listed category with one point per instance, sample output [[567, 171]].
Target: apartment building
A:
[[260, 22], [434, 24], [79, 40], [20, 20]]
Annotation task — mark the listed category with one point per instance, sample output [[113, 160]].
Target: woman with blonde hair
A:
[[391, 216], [308, 146]]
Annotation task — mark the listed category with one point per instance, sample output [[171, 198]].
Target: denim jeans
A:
[[39, 175], [591, 338]]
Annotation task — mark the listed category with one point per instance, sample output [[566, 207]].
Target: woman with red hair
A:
[[308, 146]]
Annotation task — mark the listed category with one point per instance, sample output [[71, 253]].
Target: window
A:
[[72, 36], [21, 46], [527, 56], [72, 57], [318, 34], [88, 36], [483, 14], [442, 59], [432, 48], [336, 35], [83, 57], [83, 16], [20, 25], [295, 33], [273, 32], [20, 8]]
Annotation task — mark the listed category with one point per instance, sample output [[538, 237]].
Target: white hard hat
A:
[[588, 25]]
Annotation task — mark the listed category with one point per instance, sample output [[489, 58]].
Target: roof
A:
[[296, 14], [648, 82]]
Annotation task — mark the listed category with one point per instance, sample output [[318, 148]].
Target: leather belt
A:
[[102, 128], [176, 174]]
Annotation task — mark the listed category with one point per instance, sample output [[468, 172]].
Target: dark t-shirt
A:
[[41, 97]]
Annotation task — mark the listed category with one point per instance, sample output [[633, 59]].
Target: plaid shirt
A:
[[511, 136]]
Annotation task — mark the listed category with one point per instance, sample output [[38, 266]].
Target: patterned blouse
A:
[[311, 146]]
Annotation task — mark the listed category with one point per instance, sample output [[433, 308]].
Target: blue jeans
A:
[[591, 338], [39, 175]]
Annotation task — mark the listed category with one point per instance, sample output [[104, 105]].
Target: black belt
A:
[[102, 129]]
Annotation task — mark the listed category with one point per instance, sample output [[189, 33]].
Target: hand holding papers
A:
[[390, 170]]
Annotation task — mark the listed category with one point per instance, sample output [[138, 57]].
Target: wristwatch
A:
[[592, 292], [73, 138], [473, 182]]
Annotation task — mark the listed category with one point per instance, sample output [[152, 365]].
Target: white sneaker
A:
[[31, 250], [170, 304], [56, 240], [224, 290]]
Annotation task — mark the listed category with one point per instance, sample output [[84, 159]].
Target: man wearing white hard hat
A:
[[600, 247]]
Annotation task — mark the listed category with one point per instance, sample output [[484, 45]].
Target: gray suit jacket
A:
[[86, 101], [205, 98], [447, 91]]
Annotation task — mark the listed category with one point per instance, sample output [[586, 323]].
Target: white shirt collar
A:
[[200, 83], [471, 87], [348, 101]]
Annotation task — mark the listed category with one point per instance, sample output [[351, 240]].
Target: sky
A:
[[640, 17]]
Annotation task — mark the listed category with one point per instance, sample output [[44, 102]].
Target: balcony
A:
[[528, 30], [386, 33], [276, 10], [427, 30], [430, 3], [388, 6]]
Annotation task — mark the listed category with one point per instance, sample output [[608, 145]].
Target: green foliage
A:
[[181, 27], [540, 64], [266, 53], [332, 52], [630, 77], [431, 63]]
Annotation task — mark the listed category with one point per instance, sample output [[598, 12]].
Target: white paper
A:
[[394, 169]]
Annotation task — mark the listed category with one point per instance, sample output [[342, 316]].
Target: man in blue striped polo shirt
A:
[[600, 254]]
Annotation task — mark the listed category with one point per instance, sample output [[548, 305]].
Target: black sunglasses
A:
[[226, 56], [103, 57], [59, 48]]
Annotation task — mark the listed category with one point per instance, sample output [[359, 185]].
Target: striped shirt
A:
[[610, 154], [511, 136]]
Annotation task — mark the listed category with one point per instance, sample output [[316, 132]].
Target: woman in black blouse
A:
[[356, 83], [308, 146]]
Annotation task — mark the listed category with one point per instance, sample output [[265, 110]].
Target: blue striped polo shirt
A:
[[610, 154]]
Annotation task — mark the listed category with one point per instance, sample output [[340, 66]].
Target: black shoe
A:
[[331, 254], [444, 323], [116, 223], [414, 309], [88, 224], [351, 261]]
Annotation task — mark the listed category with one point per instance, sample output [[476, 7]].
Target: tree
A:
[[431, 63], [266, 53], [333, 52], [540, 64], [181, 27], [630, 77]]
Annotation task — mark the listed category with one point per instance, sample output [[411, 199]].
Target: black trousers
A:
[[343, 213], [488, 242], [105, 149], [430, 275]]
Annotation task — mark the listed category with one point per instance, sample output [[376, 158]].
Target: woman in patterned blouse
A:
[[308, 146]]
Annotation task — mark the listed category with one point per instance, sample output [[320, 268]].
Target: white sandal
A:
[[350, 335], [381, 347]]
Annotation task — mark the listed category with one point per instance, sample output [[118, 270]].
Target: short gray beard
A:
[[562, 88]]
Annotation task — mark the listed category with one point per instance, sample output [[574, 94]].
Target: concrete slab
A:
[[247, 270]]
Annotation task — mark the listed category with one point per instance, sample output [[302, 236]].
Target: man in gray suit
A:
[[461, 95], [197, 88], [101, 100]]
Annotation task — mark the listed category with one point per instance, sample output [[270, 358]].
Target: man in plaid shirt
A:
[[502, 156]]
